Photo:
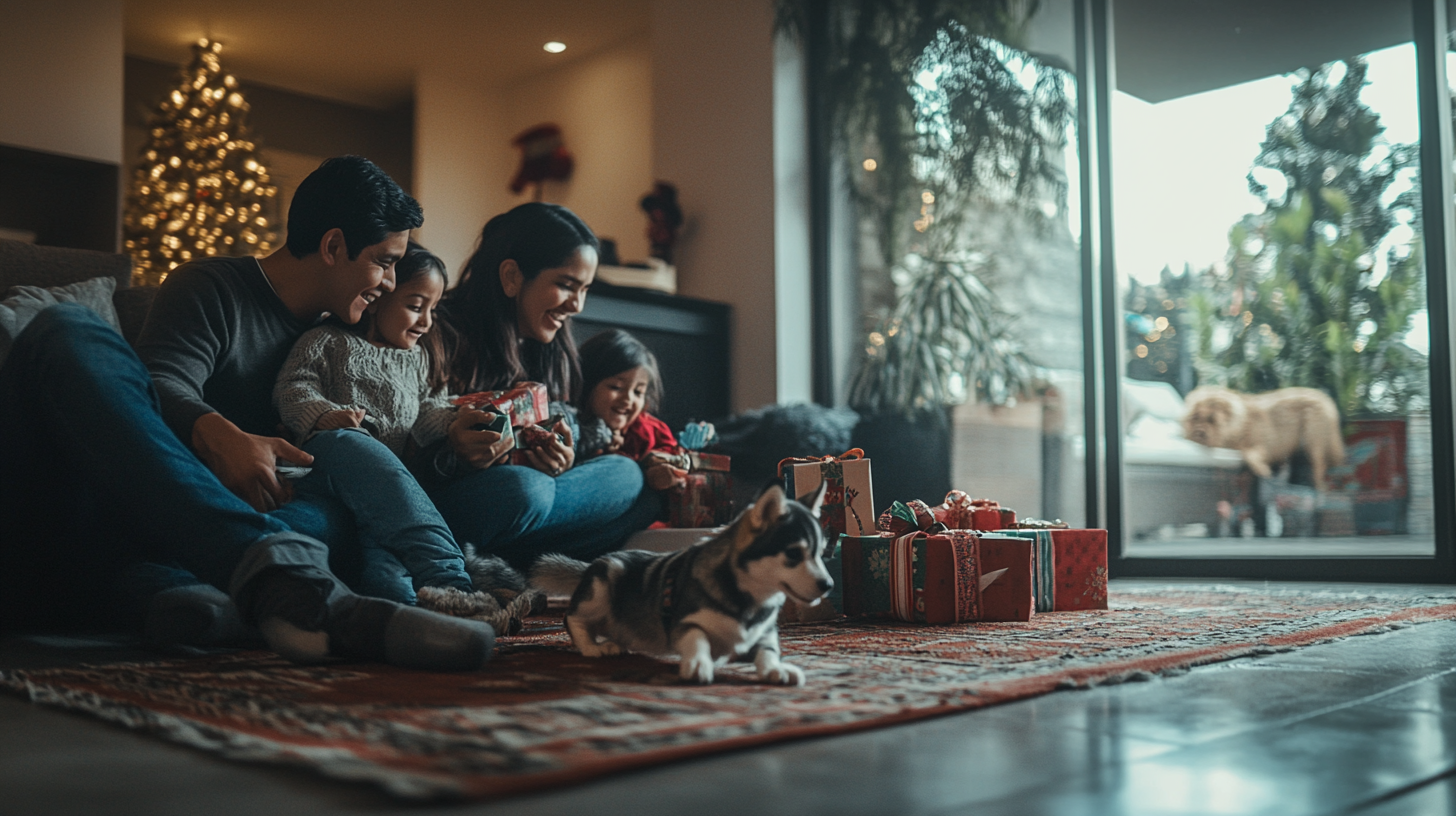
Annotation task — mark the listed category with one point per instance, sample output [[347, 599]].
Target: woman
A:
[[508, 321]]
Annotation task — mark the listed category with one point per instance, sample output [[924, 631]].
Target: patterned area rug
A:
[[542, 716]]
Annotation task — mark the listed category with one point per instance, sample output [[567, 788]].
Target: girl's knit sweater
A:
[[331, 369]]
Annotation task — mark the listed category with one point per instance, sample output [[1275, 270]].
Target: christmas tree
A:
[[1320, 289], [199, 189]]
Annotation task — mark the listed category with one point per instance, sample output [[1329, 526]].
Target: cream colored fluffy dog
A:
[[1268, 428]]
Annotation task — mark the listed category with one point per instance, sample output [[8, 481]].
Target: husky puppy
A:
[[714, 601]]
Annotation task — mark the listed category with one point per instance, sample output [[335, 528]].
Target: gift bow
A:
[[852, 453]]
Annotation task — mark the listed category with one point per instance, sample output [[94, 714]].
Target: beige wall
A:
[[713, 136], [464, 158], [604, 107], [459, 178], [61, 91]]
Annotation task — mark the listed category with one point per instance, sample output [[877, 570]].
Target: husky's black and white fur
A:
[[713, 602]]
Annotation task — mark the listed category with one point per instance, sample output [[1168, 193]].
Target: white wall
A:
[[61, 77], [459, 176], [604, 107], [713, 136]]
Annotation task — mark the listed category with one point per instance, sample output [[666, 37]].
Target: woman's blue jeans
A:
[[519, 513]]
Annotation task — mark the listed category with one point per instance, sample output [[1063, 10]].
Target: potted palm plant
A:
[[935, 114]]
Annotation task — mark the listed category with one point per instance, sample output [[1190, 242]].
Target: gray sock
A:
[[194, 615], [306, 614]]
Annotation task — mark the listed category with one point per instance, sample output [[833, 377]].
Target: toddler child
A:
[[385, 376], [620, 385]]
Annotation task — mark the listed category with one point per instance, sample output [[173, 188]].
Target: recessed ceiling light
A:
[[555, 47]]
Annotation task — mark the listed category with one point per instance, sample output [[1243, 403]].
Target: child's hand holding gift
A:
[[661, 472]]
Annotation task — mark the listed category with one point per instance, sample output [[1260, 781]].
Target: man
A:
[[84, 429]]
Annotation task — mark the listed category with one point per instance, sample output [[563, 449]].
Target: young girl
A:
[[620, 385], [386, 376]]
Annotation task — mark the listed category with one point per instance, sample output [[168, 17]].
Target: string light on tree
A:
[[199, 189]]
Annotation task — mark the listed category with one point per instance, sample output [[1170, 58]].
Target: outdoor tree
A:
[[1320, 289], [199, 189]]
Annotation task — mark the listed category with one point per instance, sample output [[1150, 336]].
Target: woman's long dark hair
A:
[[487, 351]]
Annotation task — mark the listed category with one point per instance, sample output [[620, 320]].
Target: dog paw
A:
[[590, 650], [609, 649], [697, 670], [784, 674]]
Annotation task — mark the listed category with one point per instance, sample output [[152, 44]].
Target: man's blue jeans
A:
[[518, 513], [92, 480]]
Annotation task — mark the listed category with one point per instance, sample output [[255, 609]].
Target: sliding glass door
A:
[[1272, 314], [1178, 268]]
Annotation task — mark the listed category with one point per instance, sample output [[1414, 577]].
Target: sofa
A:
[[31, 265]]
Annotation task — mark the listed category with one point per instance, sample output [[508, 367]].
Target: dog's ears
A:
[[766, 508], [816, 501]]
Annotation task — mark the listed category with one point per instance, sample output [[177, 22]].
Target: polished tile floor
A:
[[1366, 725]]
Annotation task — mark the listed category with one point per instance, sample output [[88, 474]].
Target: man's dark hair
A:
[[352, 194]]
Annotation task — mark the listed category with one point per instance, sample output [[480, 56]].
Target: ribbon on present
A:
[[907, 589], [1044, 574], [902, 577], [852, 453], [906, 517], [961, 512]]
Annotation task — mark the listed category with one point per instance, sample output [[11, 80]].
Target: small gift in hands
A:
[[525, 403]]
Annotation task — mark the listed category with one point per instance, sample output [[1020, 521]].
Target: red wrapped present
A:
[[706, 500], [849, 500], [1070, 570], [961, 512], [1011, 597], [526, 403], [923, 578], [906, 517]]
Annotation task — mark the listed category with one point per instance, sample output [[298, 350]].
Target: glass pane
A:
[[1268, 249], [968, 271]]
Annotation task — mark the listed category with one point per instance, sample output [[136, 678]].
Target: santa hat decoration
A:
[[543, 158]]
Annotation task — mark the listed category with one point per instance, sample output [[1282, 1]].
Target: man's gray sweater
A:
[[214, 340]]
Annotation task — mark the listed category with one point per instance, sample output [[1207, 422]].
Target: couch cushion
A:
[[22, 263], [23, 303]]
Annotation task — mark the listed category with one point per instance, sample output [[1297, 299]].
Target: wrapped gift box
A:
[[1070, 571], [526, 403], [961, 512], [849, 500], [914, 577], [706, 500], [1011, 597]]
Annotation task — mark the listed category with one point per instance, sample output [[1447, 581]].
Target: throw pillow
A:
[[23, 303]]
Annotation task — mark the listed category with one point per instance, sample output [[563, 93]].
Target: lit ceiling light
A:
[[555, 47]]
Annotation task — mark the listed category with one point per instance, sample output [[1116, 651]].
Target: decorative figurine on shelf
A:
[[543, 158], [664, 219]]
